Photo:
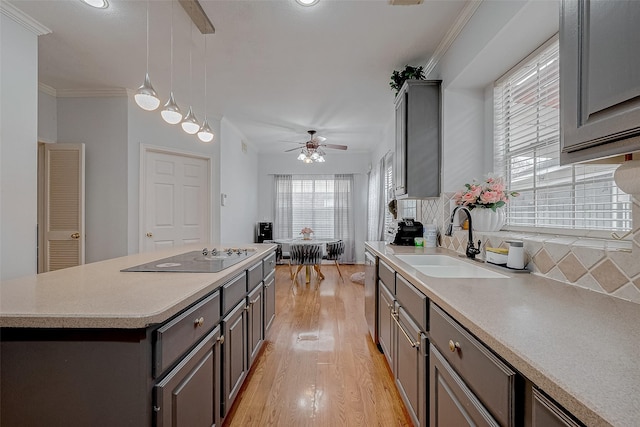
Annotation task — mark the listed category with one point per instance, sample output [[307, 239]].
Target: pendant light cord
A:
[[205, 76], [190, 62], [147, 36], [172, 46]]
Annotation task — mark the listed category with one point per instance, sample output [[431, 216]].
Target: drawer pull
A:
[[413, 343], [221, 339], [454, 346], [198, 322], [255, 301]]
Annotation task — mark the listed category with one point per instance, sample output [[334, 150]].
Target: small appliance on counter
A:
[[407, 230], [265, 232]]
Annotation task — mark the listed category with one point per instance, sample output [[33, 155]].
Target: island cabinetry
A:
[[235, 358], [186, 396], [467, 377], [418, 139], [599, 79]]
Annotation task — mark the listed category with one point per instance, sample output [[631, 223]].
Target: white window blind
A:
[[388, 188], [527, 147]]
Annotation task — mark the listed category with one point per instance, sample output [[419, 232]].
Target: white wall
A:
[[337, 162], [18, 149], [239, 182], [147, 127], [101, 124], [47, 117]]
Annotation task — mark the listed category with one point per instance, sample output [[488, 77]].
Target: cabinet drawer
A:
[[387, 275], [269, 264], [233, 291], [254, 276], [491, 380], [177, 336], [413, 301]]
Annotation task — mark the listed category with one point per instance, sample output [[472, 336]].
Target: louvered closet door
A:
[[63, 225]]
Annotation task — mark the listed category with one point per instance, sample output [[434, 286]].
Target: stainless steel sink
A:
[[443, 266]]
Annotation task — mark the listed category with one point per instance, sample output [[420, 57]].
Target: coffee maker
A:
[[265, 231]]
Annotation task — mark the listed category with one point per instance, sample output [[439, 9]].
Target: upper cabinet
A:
[[599, 79], [418, 140]]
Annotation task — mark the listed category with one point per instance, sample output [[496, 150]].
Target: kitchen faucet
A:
[[472, 251]]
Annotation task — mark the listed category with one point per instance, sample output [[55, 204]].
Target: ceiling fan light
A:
[[302, 156], [315, 155], [146, 97], [171, 112], [190, 123], [320, 159], [308, 160], [205, 134]]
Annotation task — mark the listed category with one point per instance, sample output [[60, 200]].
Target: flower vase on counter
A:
[[306, 233], [484, 219], [306, 236]]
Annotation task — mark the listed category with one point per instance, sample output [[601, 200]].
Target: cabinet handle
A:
[[254, 301], [221, 339], [454, 346], [413, 343], [198, 322]]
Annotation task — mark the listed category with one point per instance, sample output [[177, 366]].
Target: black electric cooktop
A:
[[196, 261]]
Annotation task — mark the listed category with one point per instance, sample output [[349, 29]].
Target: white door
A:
[[63, 239], [176, 200]]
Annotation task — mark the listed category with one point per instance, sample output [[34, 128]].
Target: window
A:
[[527, 146], [323, 203]]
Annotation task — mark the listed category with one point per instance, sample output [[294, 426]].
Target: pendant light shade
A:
[[190, 123], [171, 112], [205, 134], [146, 97]]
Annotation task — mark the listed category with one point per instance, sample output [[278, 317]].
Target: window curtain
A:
[[343, 221], [376, 203], [283, 227]]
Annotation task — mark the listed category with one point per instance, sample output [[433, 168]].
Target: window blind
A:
[[527, 154]]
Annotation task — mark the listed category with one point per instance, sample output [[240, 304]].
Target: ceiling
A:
[[274, 68]]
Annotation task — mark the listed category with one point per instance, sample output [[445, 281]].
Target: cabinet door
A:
[[189, 396], [599, 78], [547, 414], [386, 323], [400, 158], [451, 403], [411, 366], [234, 364], [255, 322], [269, 301]]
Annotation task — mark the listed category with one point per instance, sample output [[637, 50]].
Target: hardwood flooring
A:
[[318, 365]]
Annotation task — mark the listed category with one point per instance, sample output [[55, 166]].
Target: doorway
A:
[[175, 201]]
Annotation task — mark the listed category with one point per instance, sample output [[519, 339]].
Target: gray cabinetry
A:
[[418, 140], [235, 364], [184, 397], [386, 326], [269, 301], [546, 413], [255, 322], [599, 78]]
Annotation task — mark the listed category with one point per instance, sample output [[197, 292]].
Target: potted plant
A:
[[409, 73]]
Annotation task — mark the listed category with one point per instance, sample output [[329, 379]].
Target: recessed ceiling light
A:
[[307, 2], [100, 4]]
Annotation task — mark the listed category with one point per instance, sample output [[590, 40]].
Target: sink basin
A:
[[443, 266]]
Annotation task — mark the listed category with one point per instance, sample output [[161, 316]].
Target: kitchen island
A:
[[92, 345], [576, 346]]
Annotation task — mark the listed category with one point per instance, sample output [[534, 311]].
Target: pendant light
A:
[[205, 134], [190, 124], [146, 97], [171, 112]]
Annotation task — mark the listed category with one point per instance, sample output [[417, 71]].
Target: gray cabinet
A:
[[599, 79], [255, 322], [546, 413], [418, 149], [184, 397], [386, 326], [269, 301], [235, 363]]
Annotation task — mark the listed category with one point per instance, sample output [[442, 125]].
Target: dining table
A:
[[312, 241]]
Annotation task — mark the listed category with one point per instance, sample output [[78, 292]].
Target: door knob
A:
[[149, 234], [75, 236]]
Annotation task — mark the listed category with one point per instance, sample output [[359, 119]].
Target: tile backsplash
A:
[[607, 266]]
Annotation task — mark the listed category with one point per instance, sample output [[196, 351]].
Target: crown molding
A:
[[12, 12], [91, 93], [47, 89], [446, 42]]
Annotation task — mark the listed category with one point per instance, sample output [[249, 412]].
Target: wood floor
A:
[[318, 366]]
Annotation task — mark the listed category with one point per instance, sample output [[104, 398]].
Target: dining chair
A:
[[305, 255], [334, 253]]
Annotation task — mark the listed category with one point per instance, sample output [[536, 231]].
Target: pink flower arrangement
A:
[[491, 194], [306, 230]]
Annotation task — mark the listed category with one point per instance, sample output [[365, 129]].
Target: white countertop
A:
[[579, 346], [99, 295]]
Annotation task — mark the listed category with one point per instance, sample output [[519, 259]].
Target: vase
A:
[[306, 236], [484, 219]]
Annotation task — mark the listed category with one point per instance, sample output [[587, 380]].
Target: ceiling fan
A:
[[313, 148]]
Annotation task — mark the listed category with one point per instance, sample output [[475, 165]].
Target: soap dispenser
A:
[[515, 258]]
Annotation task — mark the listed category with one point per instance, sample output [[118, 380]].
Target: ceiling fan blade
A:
[[292, 149], [335, 146]]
